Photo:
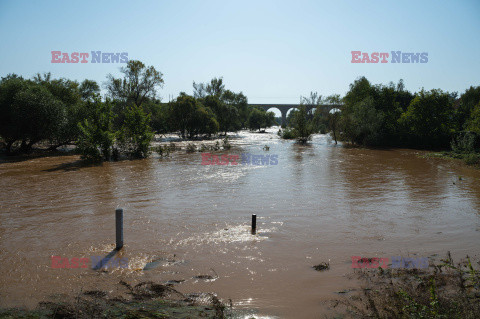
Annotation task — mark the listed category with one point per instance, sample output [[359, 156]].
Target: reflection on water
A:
[[188, 223]]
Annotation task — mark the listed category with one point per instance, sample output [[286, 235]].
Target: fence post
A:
[[254, 224], [119, 228]]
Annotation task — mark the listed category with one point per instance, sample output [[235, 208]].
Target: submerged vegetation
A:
[[145, 300], [444, 290]]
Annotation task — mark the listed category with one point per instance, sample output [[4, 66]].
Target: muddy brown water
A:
[[320, 203]]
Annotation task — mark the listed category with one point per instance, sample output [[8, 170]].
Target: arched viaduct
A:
[[283, 108]]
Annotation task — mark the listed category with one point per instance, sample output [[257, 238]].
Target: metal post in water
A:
[[119, 228], [254, 224]]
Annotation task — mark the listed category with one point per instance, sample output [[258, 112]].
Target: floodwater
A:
[[321, 203]]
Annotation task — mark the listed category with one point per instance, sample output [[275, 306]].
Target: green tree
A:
[[256, 120], [203, 122], [97, 137], [301, 128], [312, 102], [383, 105], [291, 116], [136, 135], [139, 84], [88, 90], [181, 111], [75, 110], [362, 123], [428, 121], [215, 87], [226, 114], [159, 116], [240, 102], [10, 86], [30, 113], [468, 101], [270, 119], [473, 123]]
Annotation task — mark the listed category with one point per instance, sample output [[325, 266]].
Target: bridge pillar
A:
[[284, 116]]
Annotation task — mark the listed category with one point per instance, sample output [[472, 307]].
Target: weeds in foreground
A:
[[444, 290], [144, 300]]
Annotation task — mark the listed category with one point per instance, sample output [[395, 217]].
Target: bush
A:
[[472, 159], [163, 150], [286, 134], [136, 134], [465, 142], [191, 148], [215, 147], [226, 144], [96, 133]]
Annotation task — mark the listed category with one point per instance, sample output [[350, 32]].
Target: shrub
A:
[[191, 148], [286, 134], [163, 150], [472, 159], [226, 144], [136, 134], [215, 147], [465, 142], [96, 133]]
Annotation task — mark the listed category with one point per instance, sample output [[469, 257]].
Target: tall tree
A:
[[215, 87], [139, 83], [89, 89]]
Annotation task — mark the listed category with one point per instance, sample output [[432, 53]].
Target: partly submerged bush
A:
[[163, 150], [286, 134], [226, 144], [191, 148], [472, 159]]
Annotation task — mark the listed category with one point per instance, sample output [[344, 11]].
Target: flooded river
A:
[[320, 203]]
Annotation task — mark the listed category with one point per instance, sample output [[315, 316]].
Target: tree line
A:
[[59, 112], [391, 116]]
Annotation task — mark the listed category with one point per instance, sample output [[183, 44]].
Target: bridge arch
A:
[[284, 108]]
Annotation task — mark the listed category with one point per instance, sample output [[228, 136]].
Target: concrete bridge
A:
[[283, 108]]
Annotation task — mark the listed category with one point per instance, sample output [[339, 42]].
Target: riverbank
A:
[[470, 159], [144, 300]]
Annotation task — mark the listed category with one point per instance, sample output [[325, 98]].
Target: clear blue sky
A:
[[273, 51]]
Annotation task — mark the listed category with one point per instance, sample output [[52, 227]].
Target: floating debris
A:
[[321, 266]]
